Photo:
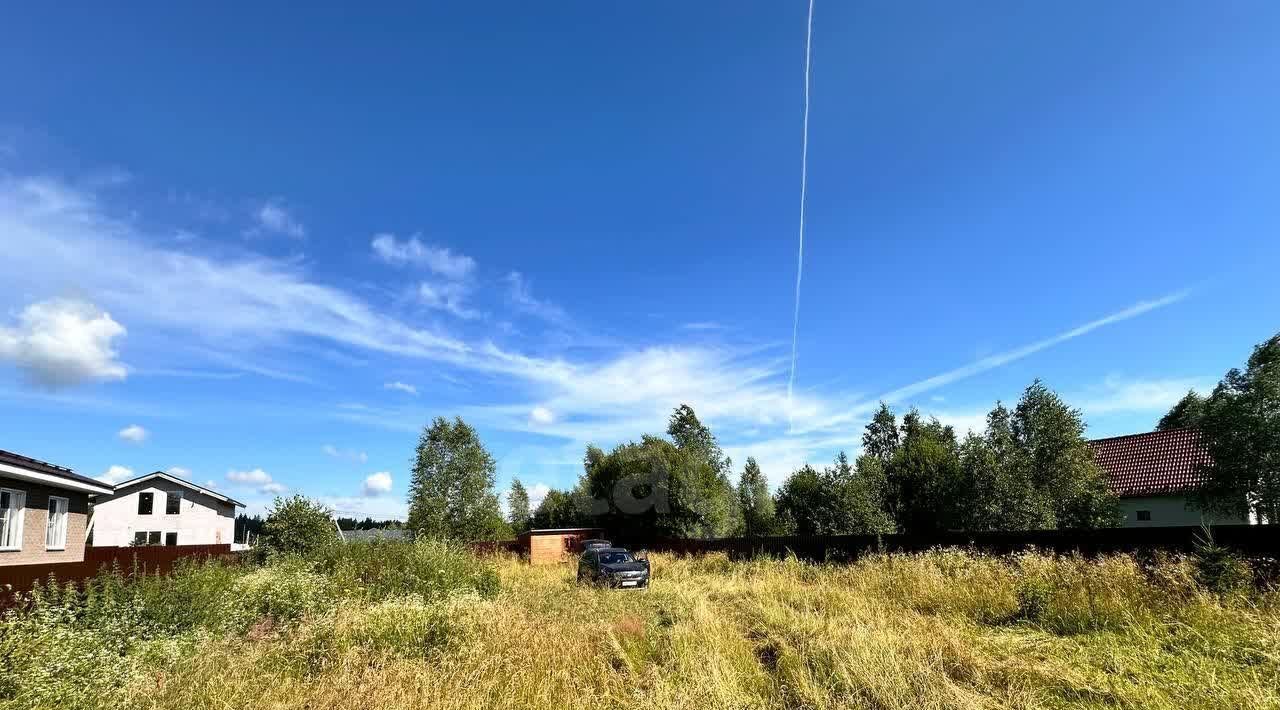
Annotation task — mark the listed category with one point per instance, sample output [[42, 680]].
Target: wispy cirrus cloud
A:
[[520, 295], [344, 454], [412, 251], [401, 387], [232, 305], [272, 217]]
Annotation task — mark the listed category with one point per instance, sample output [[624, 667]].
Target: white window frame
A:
[[18, 506], [58, 529]]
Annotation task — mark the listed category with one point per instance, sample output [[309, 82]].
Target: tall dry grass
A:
[[939, 630]]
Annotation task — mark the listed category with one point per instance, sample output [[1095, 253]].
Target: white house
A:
[[1156, 475], [160, 509]]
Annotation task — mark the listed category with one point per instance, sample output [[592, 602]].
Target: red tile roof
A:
[[1154, 463]]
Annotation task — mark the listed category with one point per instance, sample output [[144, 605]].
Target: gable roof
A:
[[1153, 463], [27, 468], [174, 479]]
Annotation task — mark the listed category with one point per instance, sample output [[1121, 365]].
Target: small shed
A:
[[551, 545]]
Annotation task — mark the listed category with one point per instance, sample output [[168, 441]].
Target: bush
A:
[[283, 592], [430, 569], [298, 526], [1220, 570]]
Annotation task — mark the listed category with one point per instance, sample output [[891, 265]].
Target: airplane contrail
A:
[[804, 180]]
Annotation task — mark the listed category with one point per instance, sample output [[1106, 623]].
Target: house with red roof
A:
[[1156, 475]]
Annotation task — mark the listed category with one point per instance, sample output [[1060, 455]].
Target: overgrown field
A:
[[427, 626]]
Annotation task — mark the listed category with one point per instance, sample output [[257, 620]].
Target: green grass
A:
[[404, 627]]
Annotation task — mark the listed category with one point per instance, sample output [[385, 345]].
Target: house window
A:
[[1144, 515], [140, 538], [11, 504], [173, 503], [145, 501], [55, 532], [170, 539], [153, 537]]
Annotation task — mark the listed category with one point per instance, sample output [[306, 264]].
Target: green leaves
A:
[[451, 491], [1241, 428]]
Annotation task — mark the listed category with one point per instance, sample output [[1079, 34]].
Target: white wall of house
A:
[[201, 519], [1170, 510]]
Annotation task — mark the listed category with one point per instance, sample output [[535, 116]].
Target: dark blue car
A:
[[613, 567]]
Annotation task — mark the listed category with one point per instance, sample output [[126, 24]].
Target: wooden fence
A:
[[143, 560], [1247, 540]]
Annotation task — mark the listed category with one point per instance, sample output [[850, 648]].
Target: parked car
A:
[[594, 543], [613, 567]]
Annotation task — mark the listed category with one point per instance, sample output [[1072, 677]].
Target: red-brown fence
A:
[[147, 560]]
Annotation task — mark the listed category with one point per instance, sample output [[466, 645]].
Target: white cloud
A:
[[257, 479], [537, 492], [133, 434], [179, 471], [401, 387], [447, 297], [210, 484], [63, 342], [273, 217], [345, 454], [116, 474], [377, 484], [252, 477], [521, 296], [991, 362], [541, 415], [703, 325], [58, 237], [439, 260], [1119, 395]]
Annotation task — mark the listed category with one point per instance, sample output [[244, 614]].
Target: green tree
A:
[[298, 526], [880, 440], [656, 488], [1187, 413], [1241, 429], [518, 507], [1069, 490], [995, 490], [839, 500], [757, 505], [451, 491], [562, 509], [922, 476]]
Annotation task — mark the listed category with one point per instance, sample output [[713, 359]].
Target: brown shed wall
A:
[[550, 548]]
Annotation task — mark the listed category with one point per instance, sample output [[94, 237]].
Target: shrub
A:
[[1218, 569], [298, 526], [283, 592], [430, 569]]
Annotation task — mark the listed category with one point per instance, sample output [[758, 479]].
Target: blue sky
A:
[[264, 246]]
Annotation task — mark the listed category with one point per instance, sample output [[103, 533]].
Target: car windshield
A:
[[609, 558]]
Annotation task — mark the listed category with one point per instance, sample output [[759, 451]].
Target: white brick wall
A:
[[201, 519]]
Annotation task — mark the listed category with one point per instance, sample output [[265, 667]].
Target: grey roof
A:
[[376, 534], [8, 457]]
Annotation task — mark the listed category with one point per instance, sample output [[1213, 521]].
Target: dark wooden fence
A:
[[130, 560], [1247, 540]]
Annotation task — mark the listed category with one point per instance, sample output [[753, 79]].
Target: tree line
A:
[[1031, 468]]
